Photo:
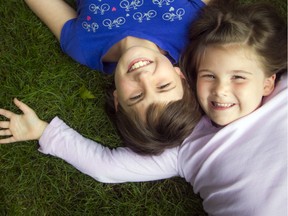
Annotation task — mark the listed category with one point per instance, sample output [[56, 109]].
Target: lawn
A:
[[34, 69]]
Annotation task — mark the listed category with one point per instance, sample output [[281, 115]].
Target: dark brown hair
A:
[[165, 126], [222, 22]]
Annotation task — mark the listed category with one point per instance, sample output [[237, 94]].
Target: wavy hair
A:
[[258, 26], [165, 125]]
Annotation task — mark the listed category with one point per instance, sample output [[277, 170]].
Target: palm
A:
[[26, 126], [21, 126]]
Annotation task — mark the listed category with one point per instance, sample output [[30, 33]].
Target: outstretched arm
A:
[[102, 163], [88, 156], [26, 126], [54, 13]]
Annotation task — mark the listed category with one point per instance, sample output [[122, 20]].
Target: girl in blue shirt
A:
[[140, 41]]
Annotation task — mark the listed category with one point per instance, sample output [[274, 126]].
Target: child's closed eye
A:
[[238, 77], [136, 97], [207, 76], [164, 86]]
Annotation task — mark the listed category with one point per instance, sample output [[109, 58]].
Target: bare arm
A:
[[54, 13], [206, 1]]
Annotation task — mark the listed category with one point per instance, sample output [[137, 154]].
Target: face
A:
[[144, 76], [231, 83]]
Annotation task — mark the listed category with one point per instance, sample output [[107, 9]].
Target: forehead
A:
[[230, 51], [232, 58], [231, 47]]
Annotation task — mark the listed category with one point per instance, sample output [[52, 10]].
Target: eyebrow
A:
[[234, 71], [137, 101], [241, 71], [142, 98]]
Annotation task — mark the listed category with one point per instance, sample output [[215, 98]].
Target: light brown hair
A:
[[223, 22], [165, 126]]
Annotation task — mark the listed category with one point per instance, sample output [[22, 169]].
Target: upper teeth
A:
[[223, 104], [139, 64]]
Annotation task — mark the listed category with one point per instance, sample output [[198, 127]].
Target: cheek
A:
[[123, 90], [245, 96], [245, 90], [122, 83], [202, 90]]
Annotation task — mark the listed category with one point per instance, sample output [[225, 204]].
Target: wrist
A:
[[42, 126]]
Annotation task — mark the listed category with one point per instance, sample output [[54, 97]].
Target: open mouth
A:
[[138, 64], [222, 105]]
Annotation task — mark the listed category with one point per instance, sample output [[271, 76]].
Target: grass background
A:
[[33, 69]]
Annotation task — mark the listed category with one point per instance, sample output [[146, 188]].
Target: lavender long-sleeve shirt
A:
[[240, 169]]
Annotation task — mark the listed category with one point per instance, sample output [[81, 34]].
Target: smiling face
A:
[[231, 83], [144, 76]]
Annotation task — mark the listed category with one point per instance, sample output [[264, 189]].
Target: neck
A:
[[119, 48]]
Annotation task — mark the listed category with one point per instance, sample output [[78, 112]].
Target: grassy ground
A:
[[33, 69]]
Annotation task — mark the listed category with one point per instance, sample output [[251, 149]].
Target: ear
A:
[[269, 85], [179, 72], [116, 102]]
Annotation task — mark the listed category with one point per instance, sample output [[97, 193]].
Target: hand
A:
[[26, 126]]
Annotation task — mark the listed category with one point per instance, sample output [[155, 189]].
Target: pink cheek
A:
[[201, 88]]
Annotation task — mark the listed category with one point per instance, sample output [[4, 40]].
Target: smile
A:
[[138, 64], [222, 105]]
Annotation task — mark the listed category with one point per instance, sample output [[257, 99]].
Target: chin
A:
[[221, 123]]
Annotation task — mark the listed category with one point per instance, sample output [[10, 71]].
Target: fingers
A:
[[8, 114], [22, 106], [7, 140], [4, 124], [5, 132]]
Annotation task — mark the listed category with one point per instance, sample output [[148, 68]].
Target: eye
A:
[[237, 77], [136, 97], [164, 86], [207, 76]]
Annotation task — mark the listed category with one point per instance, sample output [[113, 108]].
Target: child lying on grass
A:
[[139, 42]]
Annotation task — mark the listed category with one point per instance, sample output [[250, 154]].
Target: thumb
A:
[[22, 106]]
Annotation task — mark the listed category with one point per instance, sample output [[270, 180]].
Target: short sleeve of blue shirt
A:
[[70, 42]]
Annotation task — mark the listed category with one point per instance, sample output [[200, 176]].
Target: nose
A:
[[147, 80], [144, 77], [220, 88]]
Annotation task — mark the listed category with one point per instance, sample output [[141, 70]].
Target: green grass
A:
[[33, 69]]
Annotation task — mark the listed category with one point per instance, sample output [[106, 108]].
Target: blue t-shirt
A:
[[102, 23]]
